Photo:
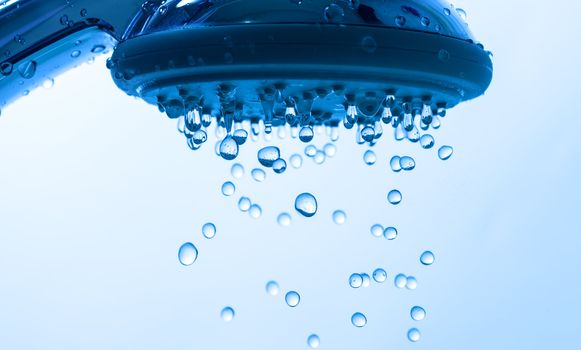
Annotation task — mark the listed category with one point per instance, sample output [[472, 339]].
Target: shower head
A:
[[278, 62]]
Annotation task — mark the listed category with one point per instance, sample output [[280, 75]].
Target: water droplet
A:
[[394, 197], [296, 161], [27, 69], [268, 155], [368, 44], [292, 298], [333, 13], [98, 49], [279, 166], [187, 254], [75, 53], [339, 217], [237, 171], [400, 21], [310, 151], [369, 157], [444, 55], [306, 134], [390, 233], [48, 83], [425, 21], [379, 275], [240, 136], [319, 157], [407, 163], [199, 137], [330, 150], [228, 148], [462, 13], [244, 204], [427, 141], [417, 313], [255, 211], [427, 258], [414, 335], [400, 280], [366, 280], [258, 174], [306, 204], [445, 152], [368, 133], [358, 320], [355, 280], [227, 314], [209, 230], [394, 164], [284, 219], [272, 288], [313, 341], [411, 283], [376, 230], [228, 188], [6, 68], [447, 12]]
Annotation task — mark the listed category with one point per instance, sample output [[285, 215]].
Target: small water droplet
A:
[[355, 280], [407, 163], [237, 171], [228, 148], [98, 49], [394, 164], [414, 335], [228, 188], [296, 161], [417, 313], [376, 230], [462, 13], [313, 341], [369, 157], [445, 152], [306, 204], [199, 137], [425, 21], [268, 155], [427, 141], [187, 254], [244, 204], [400, 21], [394, 197], [400, 280], [411, 283], [227, 314], [379, 275], [358, 320], [333, 13], [427, 258], [368, 133], [279, 166], [330, 150], [292, 298], [366, 280], [75, 53], [310, 151], [306, 134], [284, 219], [319, 157], [255, 211], [258, 175], [209, 230], [339, 217], [390, 233], [272, 288], [48, 83], [368, 44]]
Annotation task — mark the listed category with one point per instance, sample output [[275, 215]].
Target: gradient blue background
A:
[[98, 191]]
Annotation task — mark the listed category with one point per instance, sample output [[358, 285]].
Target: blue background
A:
[[98, 191]]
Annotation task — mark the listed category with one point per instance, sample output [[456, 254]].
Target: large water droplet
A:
[[462, 13], [284, 219], [445, 152], [306, 204], [272, 288], [279, 166], [376, 230], [339, 217], [358, 320], [417, 313], [400, 280], [237, 171], [390, 233], [427, 258], [228, 148], [228, 188], [227, 314], [296, 161], [240, 136], [27, 69], [268, 155], [369, 157], [292, 298], [427, 141], [313, 341], [379, 275], [209, 230], [355, 280], [306, 134], [394, 197], [407, 163], [258, 175], [187, 254], [255, 211], [414, 335], [244, 204], [394, 164]]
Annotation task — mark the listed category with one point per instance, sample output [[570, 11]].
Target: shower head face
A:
[[308, 62]]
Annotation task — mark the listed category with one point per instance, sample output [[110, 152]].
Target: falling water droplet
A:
[[255, 211], [284, 219], [368, 133], [313, 341], [355, 280], [268, 155], [427, 141], [228, 188], [330, 150], [411, 283], [227, 314], [333, 13], [237, 171], [319, 157], [310, 151], [358, 320], [394, 164], [279, 166], [407, 163], [400, 280], [339, 217], [187, 254], [296, 161], [366, 280], [27, 69], [306, 204], [292, 298], [240, 136], [306, 134], [445, 152], [272, 288], [369, 157], [394, 197], [414, 335], [390, 233], [427, 258], [258, 175], [244, 204], [379, 275], [417, 313], [376, 230], [228, 148], [209, 230]]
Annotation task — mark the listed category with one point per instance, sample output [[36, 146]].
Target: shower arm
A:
[[42, 38]]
